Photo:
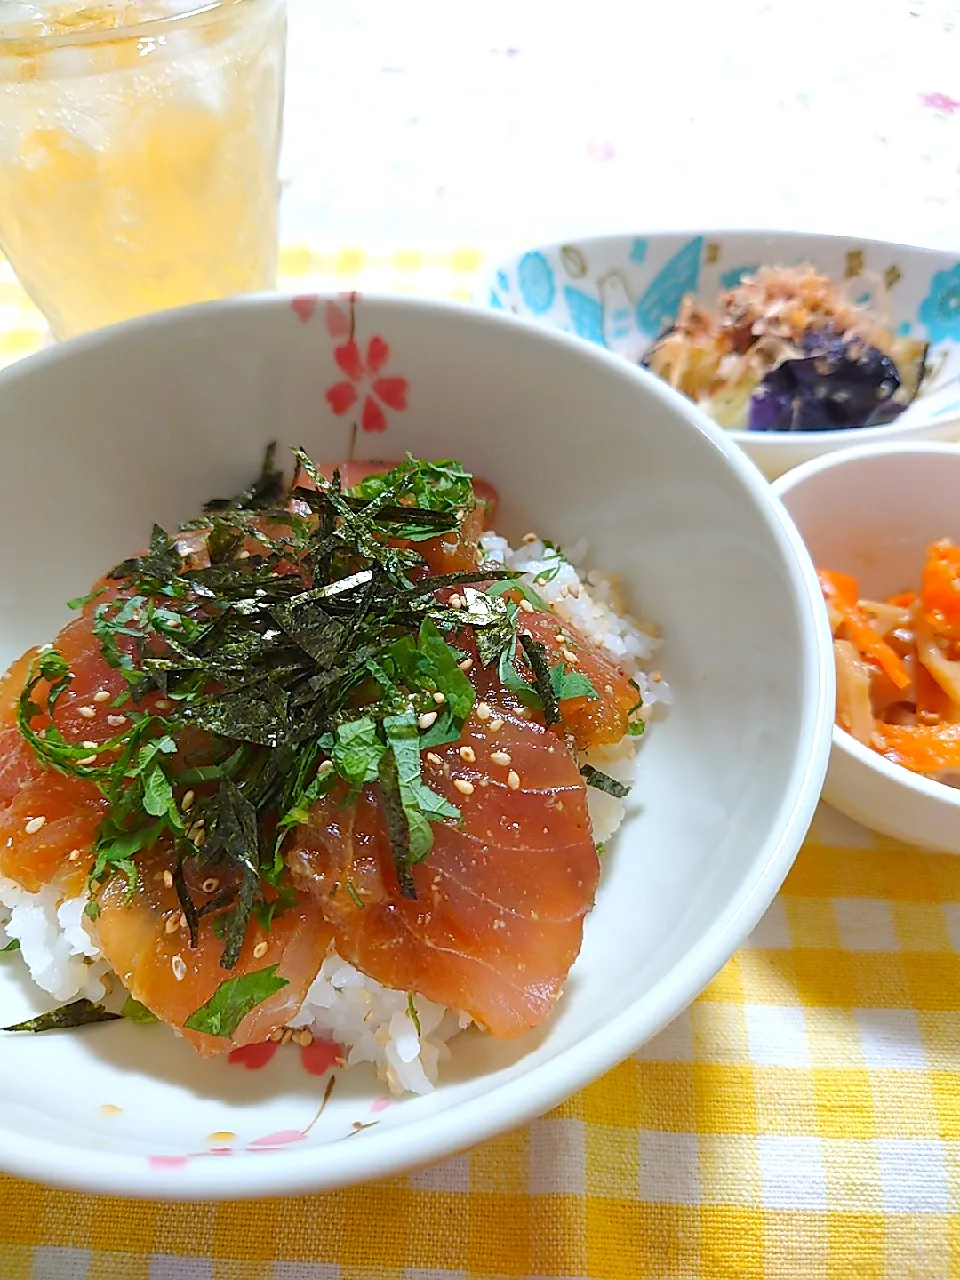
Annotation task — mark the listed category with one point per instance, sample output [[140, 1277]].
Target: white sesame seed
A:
[[529, 537], [468, 754], [200, 839], [101, 696], [427, 719], [656, 676], [172, 925], [87, 760], [434, 758], [116, 721], [186, 804], [179, 968], [608, 688], [74, 855], [87, 712], [463, 786], [496, 724], [483, 711], [526, 606], [439, 697], [260, 950], [305, 1037], [568, 656], [183, 921], [89, 746], [34, 825], [168, 879], [287, 1035], [501, 757], [513, 780], [325, 768], [466, 664], [456, 602]]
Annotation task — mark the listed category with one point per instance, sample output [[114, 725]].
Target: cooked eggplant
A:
[[787, 350]]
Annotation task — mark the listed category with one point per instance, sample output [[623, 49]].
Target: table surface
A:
[[802, 1119]]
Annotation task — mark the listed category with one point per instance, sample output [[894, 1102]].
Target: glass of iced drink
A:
[[139, 142]]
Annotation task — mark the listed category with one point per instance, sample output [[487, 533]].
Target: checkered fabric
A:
[[800, 1120]]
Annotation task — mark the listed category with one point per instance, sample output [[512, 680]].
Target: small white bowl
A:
[[873, 512], [621, 292], [103, 435]]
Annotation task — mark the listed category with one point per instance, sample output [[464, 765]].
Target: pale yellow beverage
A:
[[138, 153]]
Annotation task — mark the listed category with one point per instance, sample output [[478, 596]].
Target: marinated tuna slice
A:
[[498, 916], [147, 942]]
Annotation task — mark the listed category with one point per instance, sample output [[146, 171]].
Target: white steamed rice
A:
[[370, 1022]]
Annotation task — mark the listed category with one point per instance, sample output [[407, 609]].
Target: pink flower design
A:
[[283, 1137], [940, 102], [361, 369], [305, 305], [337, 321]]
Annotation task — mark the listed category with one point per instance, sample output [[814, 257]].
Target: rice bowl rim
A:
[[505, 1105]]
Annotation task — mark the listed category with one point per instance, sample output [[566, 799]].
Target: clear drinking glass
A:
[[138, 153]]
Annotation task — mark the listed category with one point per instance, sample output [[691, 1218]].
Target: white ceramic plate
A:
[[102, 436], [872, 512], [621, 292]]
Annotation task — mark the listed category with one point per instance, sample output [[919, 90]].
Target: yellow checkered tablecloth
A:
[[800, 1120]]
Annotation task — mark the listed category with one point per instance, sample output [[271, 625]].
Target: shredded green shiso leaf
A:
[[300, 637]]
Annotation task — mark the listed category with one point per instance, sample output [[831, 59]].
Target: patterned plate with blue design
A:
[[622, 292]]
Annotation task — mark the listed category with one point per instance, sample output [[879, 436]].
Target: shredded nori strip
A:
[[186, 904], [80, 1013], [603, 782], [266, 491], [537, 657], [398, 828]]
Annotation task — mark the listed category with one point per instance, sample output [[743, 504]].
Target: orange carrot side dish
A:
[[898, 664]]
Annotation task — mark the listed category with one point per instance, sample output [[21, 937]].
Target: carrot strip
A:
[[940, 591], [921, 748], [842, 592], [903, 599]]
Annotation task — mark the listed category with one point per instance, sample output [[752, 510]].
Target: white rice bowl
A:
[[370, 1022]]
